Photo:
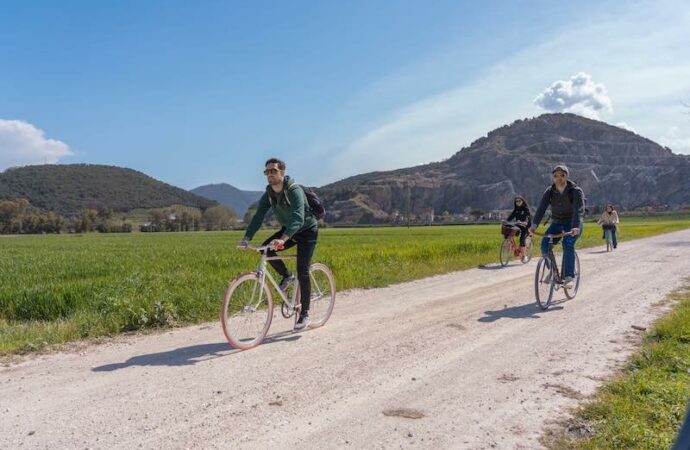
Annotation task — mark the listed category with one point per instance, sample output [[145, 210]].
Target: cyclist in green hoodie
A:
[[298, 227]]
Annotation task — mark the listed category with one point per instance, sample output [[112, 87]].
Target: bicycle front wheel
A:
[[543, 283], [572, 291], [247, 311], [322, 294], [506, 252], [609, 240]]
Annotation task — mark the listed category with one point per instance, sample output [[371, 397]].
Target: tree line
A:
[[182, 218], [20, 217]]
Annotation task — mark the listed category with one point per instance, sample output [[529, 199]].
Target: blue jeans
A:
[[568, 265]]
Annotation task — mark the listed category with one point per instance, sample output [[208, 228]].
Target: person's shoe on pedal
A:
[[568, 281], [302, 322], [287, 281]]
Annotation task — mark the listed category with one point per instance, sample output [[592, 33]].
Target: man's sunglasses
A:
[[271, 171]]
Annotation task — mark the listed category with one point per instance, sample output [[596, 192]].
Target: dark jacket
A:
[[521, 215], [290, 207], [566, 208]]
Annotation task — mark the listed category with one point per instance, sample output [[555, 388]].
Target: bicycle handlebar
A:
[[553, 236], [261, 248], [512, 223]]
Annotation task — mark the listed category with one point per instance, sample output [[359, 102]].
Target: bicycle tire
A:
[[572, 292], [506, 252], [243, 304], [322, 294], [609, 240], [543, 284]]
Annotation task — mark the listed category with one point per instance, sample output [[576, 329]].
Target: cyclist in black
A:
[[521, 215]]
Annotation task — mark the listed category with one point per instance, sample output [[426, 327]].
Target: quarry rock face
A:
[[611, 164]]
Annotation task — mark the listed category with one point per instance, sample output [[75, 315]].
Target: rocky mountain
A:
[[229, 196], [610, 163], [68, 188]]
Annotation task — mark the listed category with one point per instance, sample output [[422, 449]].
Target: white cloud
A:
[[674, 140], [21, 143], [579, 95]]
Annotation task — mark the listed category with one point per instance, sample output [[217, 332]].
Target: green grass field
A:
[[57, 289]]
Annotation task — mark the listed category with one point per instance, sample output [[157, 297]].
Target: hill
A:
[[68, 188], [229, 196], [610, 163]]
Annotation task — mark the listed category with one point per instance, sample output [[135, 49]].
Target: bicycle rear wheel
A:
[[543, 283], [247, 311], [506, 252], [572, 291], [322, 294]]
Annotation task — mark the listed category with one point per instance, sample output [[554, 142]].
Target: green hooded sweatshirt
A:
[[290, 208]]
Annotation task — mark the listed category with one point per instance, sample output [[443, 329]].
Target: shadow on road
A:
[[527, 311], [598, 252], [186, 356], [493, 266]]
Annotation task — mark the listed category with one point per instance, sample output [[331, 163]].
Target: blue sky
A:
[[195, 93]]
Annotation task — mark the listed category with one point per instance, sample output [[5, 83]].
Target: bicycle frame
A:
[[265, 274], [551, 257]]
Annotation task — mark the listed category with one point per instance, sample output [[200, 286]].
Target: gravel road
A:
[[463, 360]]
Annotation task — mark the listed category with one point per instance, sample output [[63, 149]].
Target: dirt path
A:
[[469, 351]]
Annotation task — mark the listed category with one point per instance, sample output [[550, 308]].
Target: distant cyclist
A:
[[609, 221], [567, 210], [299, 227], [523, 218]]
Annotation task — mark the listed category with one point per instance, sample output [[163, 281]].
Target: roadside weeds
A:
[[643, 406]]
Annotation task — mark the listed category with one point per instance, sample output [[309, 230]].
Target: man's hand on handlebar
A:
[[277, 244]]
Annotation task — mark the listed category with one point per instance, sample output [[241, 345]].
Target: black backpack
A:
[[315, 206]]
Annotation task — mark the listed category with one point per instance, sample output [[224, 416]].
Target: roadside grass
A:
[[643, 407], [61, 288]]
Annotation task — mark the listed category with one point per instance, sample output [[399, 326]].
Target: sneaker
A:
[[302, 322], [287, 281], [567, 281]]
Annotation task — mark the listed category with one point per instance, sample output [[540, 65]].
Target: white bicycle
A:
[[247, 309]]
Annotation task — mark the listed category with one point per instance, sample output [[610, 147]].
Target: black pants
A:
[[523, 234], [306, 244]]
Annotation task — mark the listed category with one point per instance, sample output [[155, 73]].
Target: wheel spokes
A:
[[247, 312]]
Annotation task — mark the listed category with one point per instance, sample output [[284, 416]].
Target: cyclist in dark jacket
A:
[[522, 215], [299, 227], [567, 210]]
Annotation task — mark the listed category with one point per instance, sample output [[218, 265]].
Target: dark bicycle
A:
[[548, 276]]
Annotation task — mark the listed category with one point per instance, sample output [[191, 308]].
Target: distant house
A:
[[428, 215]]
